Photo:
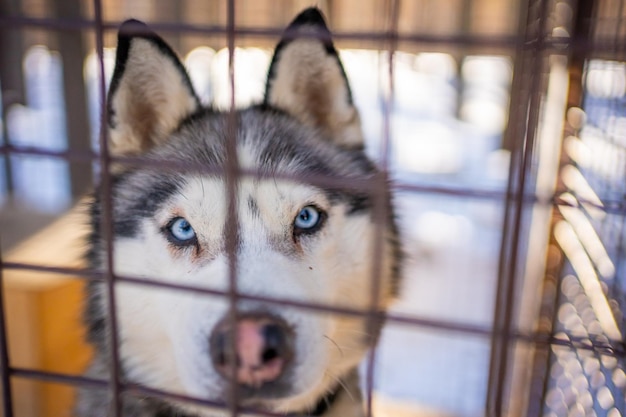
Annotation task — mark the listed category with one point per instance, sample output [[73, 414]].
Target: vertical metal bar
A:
[[615, 291], [8, 172], [581, 35], [107, 218], [72, 49], [231, 175], [11, 59], [11, 76], [516, 125], [527, 74], [5, 368], [381, 213], [465, 28]]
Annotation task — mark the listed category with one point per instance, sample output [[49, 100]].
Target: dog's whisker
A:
[[343, 385], [356, 332], [336, 344], [352, 349]]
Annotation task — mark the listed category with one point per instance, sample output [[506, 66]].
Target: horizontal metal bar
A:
[[125, 389], [556, 44], [608, 206], [615, 348]]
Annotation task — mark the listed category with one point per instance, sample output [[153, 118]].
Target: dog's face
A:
[[291, 239]]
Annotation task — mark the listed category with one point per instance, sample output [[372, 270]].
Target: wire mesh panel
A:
[[513, 291], [588, 380]]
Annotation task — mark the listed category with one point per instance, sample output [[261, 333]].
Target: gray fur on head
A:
[[307, 127]]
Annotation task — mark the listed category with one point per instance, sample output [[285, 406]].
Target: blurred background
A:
[[502, 124]]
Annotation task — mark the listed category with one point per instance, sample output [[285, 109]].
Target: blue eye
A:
[[181, 232], [308, 220]]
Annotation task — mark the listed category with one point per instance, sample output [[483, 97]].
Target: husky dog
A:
[[290, 238]]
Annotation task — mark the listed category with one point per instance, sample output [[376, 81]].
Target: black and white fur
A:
[[306, 126]]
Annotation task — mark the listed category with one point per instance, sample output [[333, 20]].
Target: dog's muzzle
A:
[[254, 350]]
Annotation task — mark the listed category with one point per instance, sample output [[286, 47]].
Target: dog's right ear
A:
[[150, 92]]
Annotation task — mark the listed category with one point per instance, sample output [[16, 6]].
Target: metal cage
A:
[[554, 335]]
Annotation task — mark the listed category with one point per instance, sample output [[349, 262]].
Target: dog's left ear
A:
[[307, 80], [150, 92]]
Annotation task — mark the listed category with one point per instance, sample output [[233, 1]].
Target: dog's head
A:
[[298, 220]]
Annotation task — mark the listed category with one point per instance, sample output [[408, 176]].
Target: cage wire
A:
[[557, 329]]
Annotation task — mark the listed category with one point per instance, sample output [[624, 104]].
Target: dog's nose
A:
[[262, 349]]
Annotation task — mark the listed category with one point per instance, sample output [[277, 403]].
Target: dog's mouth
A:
[[260, 396], [274, 396]]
